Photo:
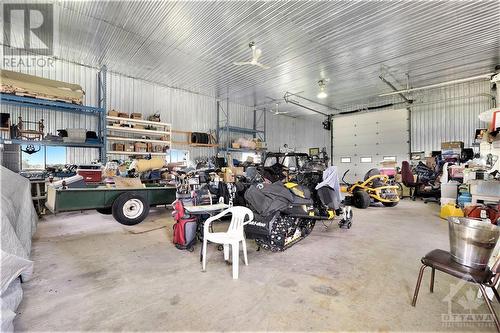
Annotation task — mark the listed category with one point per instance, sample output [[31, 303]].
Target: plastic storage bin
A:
[[90, 176]]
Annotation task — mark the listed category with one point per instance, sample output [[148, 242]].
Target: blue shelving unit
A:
[[243, 130], [46, 104], [30, 102], [224, 129], [242, 150]]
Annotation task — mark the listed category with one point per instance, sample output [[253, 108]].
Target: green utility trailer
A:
[[129, 206]]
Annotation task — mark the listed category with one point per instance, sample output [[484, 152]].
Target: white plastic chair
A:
[[233, 236]]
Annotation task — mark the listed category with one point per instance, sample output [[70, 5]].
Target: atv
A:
[[374, 188]]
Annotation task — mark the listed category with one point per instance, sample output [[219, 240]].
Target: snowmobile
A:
[[374, 188], [286, 210]]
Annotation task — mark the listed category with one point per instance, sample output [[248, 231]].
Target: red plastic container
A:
[[90, 176]]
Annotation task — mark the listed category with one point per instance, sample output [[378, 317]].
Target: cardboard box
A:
[[136, 116], [238, 171], [140, 147], [430, 162], [139, 126], [228, 177], [157, 148], [129, 147], [149, 147], [122, 115], [398, 178], [155, 117], [113, 113], [389, 164], [452, 144], [118, 147], [260, 144], [235, 145]]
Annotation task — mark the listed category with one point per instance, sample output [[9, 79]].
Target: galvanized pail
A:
[[472, 241]]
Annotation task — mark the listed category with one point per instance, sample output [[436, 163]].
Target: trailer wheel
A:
[[130, 209], [361, 199], [105, 211]]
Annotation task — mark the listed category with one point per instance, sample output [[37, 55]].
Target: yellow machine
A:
[[450, 209], [375, 187]]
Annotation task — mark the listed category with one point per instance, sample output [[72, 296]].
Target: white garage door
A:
[[361, 142]]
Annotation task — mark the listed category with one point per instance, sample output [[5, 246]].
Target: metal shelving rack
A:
[[99, 111], [224, 129], [30, 102]]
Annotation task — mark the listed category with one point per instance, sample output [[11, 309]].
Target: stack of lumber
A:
[[33, 86]]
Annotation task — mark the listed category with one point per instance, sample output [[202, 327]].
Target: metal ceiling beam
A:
[[442, 84], [409, 101], [287, 99]]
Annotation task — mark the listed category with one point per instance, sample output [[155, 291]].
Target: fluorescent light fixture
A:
[[322, 93]]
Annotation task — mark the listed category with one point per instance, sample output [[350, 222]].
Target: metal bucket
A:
[[472, 241]]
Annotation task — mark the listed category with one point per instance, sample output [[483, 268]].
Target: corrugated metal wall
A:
[[186, 111], [298, 133], [67, 72], [444, 114], [449, 114]]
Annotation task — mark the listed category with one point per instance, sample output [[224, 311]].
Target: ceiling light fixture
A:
[[322, 87]]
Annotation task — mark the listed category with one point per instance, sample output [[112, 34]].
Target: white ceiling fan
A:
[[256, 53]]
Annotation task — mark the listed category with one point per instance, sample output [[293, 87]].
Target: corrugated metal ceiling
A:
[[192, 44]]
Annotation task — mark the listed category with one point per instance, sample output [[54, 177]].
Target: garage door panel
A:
[[376, 134], [393, 125]]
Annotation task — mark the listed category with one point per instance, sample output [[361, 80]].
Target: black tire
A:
[[361, 199], [390, 204], [105, 211], [132, 201], [194, 138]]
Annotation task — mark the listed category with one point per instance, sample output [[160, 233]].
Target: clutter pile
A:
[[286, 200]]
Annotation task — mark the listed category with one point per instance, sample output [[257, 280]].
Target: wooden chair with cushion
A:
[[442, 261]]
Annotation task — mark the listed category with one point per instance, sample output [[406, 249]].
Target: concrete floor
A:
[[93, 274]]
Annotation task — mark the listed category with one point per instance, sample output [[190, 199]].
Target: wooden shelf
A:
[[113, 152], [138, 121], [137, 130], [203, 145], [188, 142], [185, 143], [117, 138]]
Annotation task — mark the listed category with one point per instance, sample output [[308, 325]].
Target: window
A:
[[390, 158], [177, 155], [366, 159], [55, 156], [43, 157], [345, 160]]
